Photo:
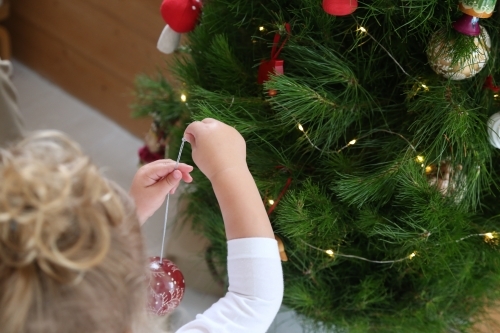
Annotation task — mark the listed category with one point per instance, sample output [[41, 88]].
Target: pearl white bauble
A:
[[440, 53], [494, 130]]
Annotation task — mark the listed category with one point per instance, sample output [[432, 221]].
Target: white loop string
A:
[[168, 199]]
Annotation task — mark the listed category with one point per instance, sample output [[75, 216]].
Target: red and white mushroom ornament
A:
[[340, 7], [181, 16]]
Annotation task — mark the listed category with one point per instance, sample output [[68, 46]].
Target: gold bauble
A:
[[440, 53]]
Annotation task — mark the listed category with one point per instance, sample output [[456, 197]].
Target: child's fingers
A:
[[173, 179], [185, 168], [189, 137], [186, 177], [195, 128], [154, 171], [157, 170]]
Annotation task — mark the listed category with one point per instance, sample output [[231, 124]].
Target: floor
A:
[[46, 106]]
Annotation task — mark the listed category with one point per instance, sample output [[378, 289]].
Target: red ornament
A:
[[488, 84], [147, 156], [268, 67], [181, 15], [340, 7], [272, 92], [166, 286], [467, 25], [274, 65]]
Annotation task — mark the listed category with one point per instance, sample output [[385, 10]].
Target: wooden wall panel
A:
[[93, 49]]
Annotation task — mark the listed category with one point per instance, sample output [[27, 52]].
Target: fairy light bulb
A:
[[362, 29], [411, 256], [419, 159], [183, 98], [491, 238], [330, 253], [261, 28], [271, 202], [300, 128], [353, 141]]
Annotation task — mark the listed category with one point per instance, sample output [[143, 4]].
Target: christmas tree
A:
[[371, 131]]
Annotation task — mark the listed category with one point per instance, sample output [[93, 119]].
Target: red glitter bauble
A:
[[166, 286]]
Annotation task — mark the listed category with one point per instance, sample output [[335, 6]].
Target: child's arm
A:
[[153, 181], [220, 153], [254, 267]]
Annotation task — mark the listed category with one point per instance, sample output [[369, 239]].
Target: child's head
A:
[[71, 252]]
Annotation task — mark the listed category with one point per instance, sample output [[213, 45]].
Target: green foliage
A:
[[154, 96], [403, 209]]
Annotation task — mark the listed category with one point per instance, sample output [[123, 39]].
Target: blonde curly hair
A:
[[71, 251]]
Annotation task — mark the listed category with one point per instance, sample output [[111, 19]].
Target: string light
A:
[[428, 169], [489, 237], [299, 126], [332, 254], [271, 202], [419, 159], [353, 141], [183, 98], [262, 28], [496, 95], [362, 29]]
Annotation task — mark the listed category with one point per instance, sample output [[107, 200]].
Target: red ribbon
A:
[[277, 37], [274, 65], [488, 84]]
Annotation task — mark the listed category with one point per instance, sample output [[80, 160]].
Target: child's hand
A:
[[216, 146], [153, 181]]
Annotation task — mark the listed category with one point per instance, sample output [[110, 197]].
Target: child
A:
[[71, 254]]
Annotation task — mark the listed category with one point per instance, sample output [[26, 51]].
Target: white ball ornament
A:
[[440, 54], [494, 130]]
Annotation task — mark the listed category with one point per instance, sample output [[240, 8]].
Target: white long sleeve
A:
[[255, 290]]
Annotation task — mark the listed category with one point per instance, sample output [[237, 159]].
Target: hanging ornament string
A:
[[168, 200]]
